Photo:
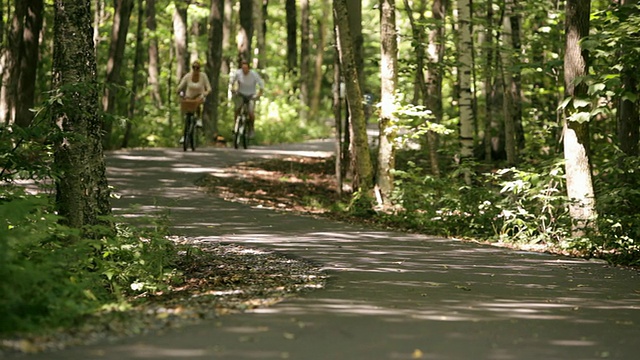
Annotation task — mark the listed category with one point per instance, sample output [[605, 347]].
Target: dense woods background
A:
[[499, 119]]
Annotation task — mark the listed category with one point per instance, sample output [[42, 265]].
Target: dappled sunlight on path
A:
[[390, 295]]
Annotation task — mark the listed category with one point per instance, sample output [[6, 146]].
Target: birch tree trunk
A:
[[464, 72], [388, 85], [580, 191]]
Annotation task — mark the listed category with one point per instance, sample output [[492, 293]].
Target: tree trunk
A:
[[305, 46], [337, 112], [246, 31], [464, 72], [261, 33], [180, 39], [119, 32], [135, 83], [319, 61], [154, 54], [82, 194], [363, 171], [582, 208], [214, 65], [292, 38], [434, 78], [227, 31], [508, 101], [13, 61], [628, 118], [388, 86], [417, 33], [488, 83], [29, 54]]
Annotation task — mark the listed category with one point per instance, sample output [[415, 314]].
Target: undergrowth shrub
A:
[[49, 279]]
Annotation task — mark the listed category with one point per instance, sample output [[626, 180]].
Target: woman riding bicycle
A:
[[194, 85], [244, 82]]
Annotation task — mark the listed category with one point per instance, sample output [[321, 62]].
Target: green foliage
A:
[[50, 279]]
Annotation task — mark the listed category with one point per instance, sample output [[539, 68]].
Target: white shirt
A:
[[247, 82]]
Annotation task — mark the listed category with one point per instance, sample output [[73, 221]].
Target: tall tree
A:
[[582, 208], [122, 17], [214, 65], [434, 78], [246, 30], [363, 170], [134, 97], [319, 61], [465, 105], [628, 118], [82, 194], [28, 61], [292, 39], [181, 38], [154, 53], [388, 85], [305, 56], [261, 14], [508, 85], [12, 62]]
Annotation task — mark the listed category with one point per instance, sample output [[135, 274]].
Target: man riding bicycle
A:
[[244, 84]]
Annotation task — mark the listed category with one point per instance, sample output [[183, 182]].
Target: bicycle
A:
[[189, 107], [241, 125]]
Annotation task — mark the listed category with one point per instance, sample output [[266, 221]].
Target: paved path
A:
[[390, 295]]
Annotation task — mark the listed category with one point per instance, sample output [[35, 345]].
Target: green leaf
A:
[[595, 88], [580, 117], [580, 103]]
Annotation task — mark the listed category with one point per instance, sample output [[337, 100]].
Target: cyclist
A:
[[244, 82], [194, 85]]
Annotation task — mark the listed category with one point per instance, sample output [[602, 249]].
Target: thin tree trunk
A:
[[388, 85], [82, 195], [29, 55], [582, 208], [246, 31], [292, 38], [508, 106], [363, 170], [227, 31], [337, 112], [434, 78], [135, 83], [260, 13], [488, 82], [154, 54], [180, 39], [13, 61], [319, 60], [119, 32], [628, 118], [305, 47], [464, 73], [214, 65]]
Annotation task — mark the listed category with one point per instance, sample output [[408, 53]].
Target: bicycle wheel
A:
[[186, 138], [239, 135], [192, 133]]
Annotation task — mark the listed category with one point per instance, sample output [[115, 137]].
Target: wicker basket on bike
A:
[[190, 105]]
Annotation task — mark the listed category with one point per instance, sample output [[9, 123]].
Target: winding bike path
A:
[[390, 295]]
